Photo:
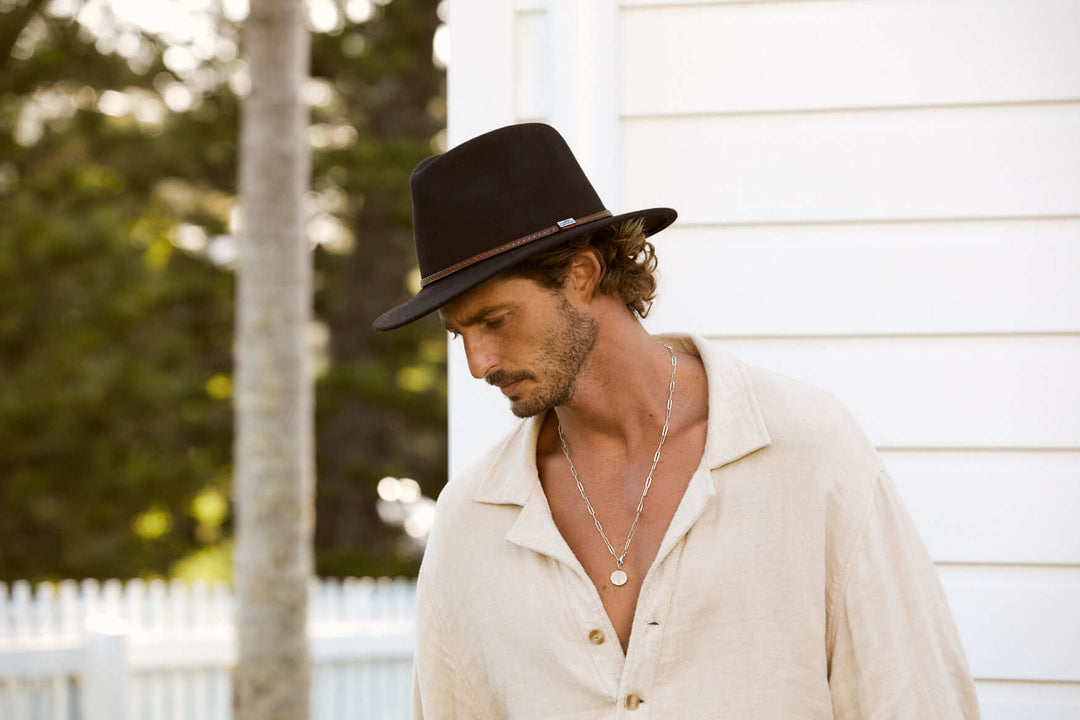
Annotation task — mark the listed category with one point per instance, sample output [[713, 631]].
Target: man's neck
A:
[[620, 396]]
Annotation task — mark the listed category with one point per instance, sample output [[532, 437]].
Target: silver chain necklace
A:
[[618, 577]]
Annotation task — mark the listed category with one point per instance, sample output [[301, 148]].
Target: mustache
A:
[[501, 378]]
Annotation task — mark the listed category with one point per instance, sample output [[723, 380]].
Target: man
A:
[[669, 533]]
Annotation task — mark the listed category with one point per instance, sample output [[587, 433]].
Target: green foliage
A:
[[116, 333]]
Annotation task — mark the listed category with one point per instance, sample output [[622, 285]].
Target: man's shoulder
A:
[[468, 479], [461, 507], [791, 404], [818, 454], [812, 426]]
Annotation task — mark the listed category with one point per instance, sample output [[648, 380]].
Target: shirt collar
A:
[[735, 427]]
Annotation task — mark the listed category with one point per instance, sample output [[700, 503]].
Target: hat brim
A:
[[434, 296]]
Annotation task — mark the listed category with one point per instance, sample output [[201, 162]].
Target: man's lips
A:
[[509, 389], [506, 382]]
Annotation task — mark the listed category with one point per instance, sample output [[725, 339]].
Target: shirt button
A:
[[632, 702], [596, 637]]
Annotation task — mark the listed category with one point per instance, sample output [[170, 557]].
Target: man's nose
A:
[[482, 359]]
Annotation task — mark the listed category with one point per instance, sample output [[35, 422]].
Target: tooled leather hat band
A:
[[561, 225]]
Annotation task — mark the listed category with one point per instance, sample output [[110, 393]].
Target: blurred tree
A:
[[274, 456], [117, 189], [381, 403]]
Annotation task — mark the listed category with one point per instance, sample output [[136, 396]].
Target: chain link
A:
[[619, 559]]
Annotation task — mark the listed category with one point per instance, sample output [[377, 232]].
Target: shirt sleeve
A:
[[895, 650], [440, 689]]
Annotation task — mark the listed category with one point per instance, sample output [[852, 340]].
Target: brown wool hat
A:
[[489, 203]]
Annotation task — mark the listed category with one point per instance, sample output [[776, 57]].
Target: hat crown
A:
[[494, 189]]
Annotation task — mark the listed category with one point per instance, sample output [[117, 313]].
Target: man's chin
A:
[[531, 406], [524, 409]]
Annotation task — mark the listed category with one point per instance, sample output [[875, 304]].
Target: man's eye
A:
[[494, 323]]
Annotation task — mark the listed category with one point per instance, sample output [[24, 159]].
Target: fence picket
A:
[[222, 605], [70, 624], [42, 609], [199, 706], [200, 680], [20, 610], [223, 696], [112, 594], [21, 700], [89, 598], [200, 609], [135, 604], [58, 690], [157, 622], [4, 623]]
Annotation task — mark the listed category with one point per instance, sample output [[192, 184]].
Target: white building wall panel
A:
[[1017, 623], [882, 198], [941, 392], [993, 506], [480, 78], [1014, 700], [891, 278], [942, 163], [813, 55], [532, 90]]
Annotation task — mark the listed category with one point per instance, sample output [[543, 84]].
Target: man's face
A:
[[527, 340]]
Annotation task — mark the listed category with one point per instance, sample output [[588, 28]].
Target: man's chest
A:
[[606, 515]]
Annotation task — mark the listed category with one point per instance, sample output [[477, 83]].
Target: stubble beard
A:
[[563, 352]]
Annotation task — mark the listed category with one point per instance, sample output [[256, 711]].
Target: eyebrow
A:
[[475, 317]]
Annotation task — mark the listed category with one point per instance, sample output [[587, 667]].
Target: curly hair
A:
[[627, 264]]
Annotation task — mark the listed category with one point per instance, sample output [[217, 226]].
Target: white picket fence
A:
[[165, 651]]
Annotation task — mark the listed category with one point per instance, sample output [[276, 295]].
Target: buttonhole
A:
[[654, 623]]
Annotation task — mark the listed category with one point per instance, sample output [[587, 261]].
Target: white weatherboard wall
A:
[[882, 198]]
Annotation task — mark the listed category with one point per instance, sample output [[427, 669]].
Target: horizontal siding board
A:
[[890, 278], [716, 58], [1017, 623], [1028, 700], [941, 392], [990, 162], [992, 506]]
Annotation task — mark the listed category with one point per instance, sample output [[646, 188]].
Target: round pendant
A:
[[618, 577]]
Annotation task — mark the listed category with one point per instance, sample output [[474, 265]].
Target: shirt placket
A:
[[627, 680], [654, 603], [595, 630], [642, 662], [633, 676]]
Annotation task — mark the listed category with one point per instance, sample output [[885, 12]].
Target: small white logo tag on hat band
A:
[[566, 223]]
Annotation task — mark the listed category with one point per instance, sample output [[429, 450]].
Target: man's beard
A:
[[563, 352]]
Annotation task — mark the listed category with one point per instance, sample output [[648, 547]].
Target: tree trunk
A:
[[274, 461]]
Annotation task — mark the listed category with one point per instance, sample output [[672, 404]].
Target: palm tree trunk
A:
[[274, 462]]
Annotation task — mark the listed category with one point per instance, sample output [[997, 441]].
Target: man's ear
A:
[[584, 275]]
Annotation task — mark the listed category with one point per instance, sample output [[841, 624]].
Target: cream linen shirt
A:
[[791, 583]]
